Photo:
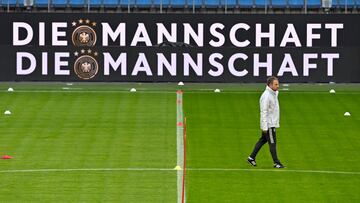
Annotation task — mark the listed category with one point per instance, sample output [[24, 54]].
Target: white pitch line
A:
[[83, 169], [276, 170], [169, 92], [170, 169], [179, 143], [255, 92], [93, 91]]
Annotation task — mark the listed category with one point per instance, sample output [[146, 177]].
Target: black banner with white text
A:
[[225, 48]]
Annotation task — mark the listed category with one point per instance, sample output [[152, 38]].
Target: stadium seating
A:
[[178, 3], [296, 4], [111, 3], [10, 3], [261, 3], [209, 4], [163, 3], [95, 3], [77, 3], [41, 3], [230, 3], [212, 3], [346, 4], [279, 4], [143, 3], [314, 3], [246, 3], [59, 3], [195, 3]]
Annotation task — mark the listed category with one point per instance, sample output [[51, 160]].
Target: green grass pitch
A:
[[88, 134]]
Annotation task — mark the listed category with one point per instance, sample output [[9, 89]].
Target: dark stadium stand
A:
[[203, 5]]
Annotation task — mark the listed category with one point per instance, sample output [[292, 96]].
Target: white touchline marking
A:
[[193, 91], [179, 142], [94, 91], [276, 170], [254, 92], [172, 170], [83, 169]]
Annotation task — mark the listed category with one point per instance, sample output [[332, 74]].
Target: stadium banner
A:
[[224, 47]]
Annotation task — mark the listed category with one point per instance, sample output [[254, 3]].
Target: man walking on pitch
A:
[[269, 121]]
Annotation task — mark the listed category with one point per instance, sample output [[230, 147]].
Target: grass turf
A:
[[55, 130], [314, 135], [101, 125]]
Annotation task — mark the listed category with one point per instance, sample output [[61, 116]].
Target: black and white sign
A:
[[226, 48]]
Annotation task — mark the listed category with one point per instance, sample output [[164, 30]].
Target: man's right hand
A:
[[264, 131]]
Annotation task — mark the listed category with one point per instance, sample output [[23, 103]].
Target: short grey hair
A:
[[271, 79]]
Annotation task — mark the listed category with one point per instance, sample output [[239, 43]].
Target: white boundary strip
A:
[[170, 169], [92, 91], [83, 169], [179, 143], [276, 170], [164, 91]]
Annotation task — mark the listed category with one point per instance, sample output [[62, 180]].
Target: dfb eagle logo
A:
[[84, 37], [86, 67]]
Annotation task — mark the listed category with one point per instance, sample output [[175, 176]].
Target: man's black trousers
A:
[[270, 137]]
